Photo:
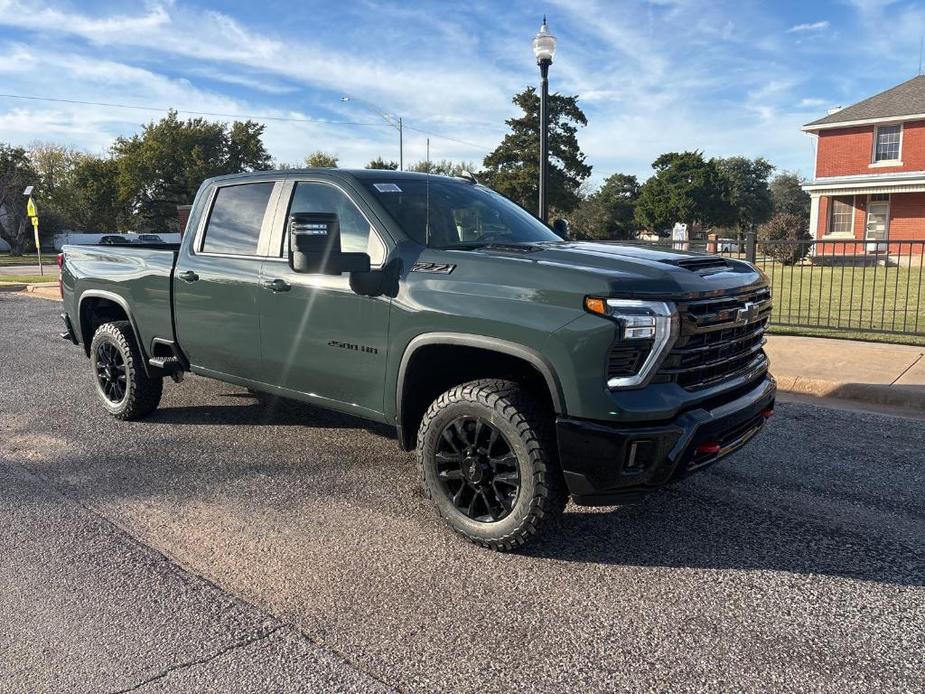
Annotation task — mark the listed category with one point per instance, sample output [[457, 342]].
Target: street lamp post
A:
[[388, 118], [544, 48]]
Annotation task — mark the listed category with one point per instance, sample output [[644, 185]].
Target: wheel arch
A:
[[410, 405], [97, 306]]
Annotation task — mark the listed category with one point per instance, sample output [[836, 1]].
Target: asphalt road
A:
[[232, 544]]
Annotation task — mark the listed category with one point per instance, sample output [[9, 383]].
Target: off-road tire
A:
[[142, 393], [511, 410]]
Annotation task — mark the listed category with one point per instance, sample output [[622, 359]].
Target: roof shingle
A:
[[904, 99]]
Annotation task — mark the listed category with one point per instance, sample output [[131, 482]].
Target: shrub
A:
[[785, 238]]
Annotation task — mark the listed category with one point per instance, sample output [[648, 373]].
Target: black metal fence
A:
[[837, 287]]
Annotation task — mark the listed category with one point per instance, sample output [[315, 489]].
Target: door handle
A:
[[188, 276], [276, 285]]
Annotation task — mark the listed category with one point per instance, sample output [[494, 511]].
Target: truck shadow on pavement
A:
[[679, 528], [756, 512]]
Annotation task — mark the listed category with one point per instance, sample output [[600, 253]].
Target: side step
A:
[[169, 365]]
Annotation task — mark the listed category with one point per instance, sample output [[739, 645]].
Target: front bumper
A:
[[607, 464]]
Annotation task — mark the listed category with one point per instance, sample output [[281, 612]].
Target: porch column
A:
[[814, 215]]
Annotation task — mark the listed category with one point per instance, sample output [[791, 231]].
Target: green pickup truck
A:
[[524, 368]]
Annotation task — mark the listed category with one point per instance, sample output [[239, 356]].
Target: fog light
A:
[[768, 413], [709, 448]]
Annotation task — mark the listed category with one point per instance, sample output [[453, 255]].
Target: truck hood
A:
[[613, 268]]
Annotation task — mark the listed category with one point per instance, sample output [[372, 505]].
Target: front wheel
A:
[[124, 388], [487, 461]]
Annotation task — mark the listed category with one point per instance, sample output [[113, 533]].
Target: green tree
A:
[[54, 167], [608, 213], [513, 167], [321, 160], [685, 188], [748, 192], [788, 196], [164, 165], [781, 236], [444, 167], [16, 172], [380, 163], [94, 203]]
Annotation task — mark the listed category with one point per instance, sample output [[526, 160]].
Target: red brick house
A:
[[869, 181]]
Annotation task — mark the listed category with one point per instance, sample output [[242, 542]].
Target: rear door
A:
[[320, 339], [216, 280]]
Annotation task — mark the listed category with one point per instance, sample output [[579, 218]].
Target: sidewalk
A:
[[879, 373], [50, 267]]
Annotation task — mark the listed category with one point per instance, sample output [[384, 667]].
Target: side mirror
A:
[[314, 246], [560, 228]]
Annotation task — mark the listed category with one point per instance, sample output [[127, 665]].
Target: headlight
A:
[[639, 321]]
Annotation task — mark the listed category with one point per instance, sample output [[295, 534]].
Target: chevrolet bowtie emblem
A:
[[748, 312]]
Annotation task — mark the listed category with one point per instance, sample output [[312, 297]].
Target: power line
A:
[[312, 121], [195, 113]]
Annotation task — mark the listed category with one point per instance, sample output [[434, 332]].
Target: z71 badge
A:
[[433, 268]]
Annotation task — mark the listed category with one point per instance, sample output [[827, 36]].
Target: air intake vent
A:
[[699, 264]]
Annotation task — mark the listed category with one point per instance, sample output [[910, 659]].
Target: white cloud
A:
[[655, 76], [814, 26]]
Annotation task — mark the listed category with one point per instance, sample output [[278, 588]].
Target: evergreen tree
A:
[[685, 188], [513, 167]]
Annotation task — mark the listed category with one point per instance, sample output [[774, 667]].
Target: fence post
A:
[[750, 252]]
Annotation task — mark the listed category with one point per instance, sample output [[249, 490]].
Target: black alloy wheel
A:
[[477, 469], [111, 373], [117, 365], [486, 454]]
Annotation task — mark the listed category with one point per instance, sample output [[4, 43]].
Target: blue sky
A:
[[723, 77]]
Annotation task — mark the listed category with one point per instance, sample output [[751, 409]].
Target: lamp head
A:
[[544, 44]]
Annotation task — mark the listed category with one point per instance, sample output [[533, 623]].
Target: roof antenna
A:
[[921, 43]]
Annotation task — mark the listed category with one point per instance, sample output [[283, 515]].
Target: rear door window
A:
[[236, 218]]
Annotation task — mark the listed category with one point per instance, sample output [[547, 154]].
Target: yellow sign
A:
[[30, 209], [35, 223]]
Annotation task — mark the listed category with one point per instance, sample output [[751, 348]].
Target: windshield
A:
[[442, 213]]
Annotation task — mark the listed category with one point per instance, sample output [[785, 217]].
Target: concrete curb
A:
[[879, 394], [12, 287]]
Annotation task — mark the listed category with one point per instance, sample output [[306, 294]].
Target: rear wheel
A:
[[124, 388], [487, 461]]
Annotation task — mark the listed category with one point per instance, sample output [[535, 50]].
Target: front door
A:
[[322, 341], [215, 282], [878, 220]]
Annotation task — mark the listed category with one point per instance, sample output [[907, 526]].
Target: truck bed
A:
[[139, 274]]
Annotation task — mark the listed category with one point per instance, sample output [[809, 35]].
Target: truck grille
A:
[[720, 338]]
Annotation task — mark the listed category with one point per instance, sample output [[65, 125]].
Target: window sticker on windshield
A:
[[386, 187]]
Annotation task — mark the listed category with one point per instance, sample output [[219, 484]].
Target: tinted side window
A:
[[237, 214], [356, 235]]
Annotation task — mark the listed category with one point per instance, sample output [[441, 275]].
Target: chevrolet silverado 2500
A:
[[524, 368]]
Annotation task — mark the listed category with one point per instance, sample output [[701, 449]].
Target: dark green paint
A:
[[231, 327]]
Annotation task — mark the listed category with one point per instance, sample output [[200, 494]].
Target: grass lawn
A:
[[7, 260], [849, 302], [30, 279]]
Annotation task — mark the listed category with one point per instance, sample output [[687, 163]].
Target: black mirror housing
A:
[[315, 248]]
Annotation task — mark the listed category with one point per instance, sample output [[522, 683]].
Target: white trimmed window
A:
[[887, 139], [841, 217]]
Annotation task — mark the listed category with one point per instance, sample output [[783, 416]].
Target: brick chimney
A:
[[183, 216]]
